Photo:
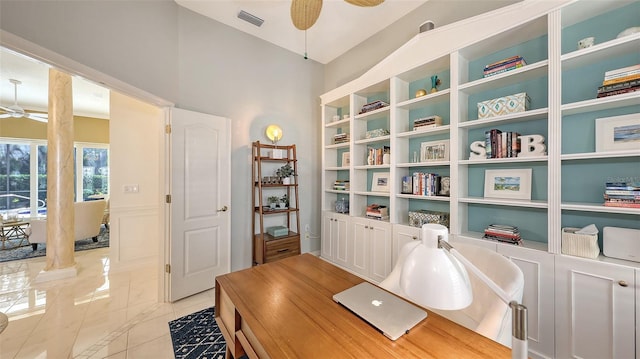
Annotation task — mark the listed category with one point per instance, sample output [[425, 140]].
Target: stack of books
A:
[[377, 211], [622, 194], [504, 65], [427, 122], [341, 138], [341, 185], [373, 106], [500, 144], [503, 233], [619, 81]]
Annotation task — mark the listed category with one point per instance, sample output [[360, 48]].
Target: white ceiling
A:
[[340, 27]]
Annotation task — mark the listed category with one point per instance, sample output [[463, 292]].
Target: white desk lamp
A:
[[436, 278]]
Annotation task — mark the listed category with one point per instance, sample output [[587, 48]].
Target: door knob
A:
[[223, 209], [623, 283]]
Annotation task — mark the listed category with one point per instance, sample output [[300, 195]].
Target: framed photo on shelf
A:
[[434, 151], [380, 182], [346, 159], [508, 183], [618, 133]]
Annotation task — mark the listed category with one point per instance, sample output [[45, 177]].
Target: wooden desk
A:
[[285, 309]]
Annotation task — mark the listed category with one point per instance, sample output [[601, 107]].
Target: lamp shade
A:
[[432, 277], [274, 133]]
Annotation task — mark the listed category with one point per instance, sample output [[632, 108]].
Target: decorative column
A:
[[60, 180]]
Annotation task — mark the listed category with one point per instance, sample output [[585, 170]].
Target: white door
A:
[[200, 148]]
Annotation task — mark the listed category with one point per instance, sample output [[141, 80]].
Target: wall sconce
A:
[[274, 134]]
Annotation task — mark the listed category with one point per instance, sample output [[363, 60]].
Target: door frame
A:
[[74, 68]]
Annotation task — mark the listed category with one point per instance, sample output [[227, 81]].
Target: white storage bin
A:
[[581, 245]]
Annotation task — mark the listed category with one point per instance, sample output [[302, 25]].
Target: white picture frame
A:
[[434, 151], [618, 133], [346, 159], [508, 183], [380, 182]]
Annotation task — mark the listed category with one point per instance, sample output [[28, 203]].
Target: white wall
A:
[[135, 129], [199, 65]]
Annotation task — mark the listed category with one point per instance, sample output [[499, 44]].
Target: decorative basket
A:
[[420, 217], [581, 245]]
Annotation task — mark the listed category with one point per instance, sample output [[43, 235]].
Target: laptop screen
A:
[[391, 315]]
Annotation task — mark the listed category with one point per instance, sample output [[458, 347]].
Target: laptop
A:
[[390, 315]]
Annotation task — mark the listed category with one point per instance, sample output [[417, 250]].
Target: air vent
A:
[[250, 18]]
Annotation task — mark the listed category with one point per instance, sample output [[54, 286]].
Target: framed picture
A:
[[380, 182], [434, 151], [346, 159], [618, 133], [509, 183]]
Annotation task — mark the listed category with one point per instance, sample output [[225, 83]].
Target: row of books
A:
[[422, 184], [622, 194], [341, 185], [375, 156], [426, 122], [377, 211], [500, 144], [504, 65], [341, 137], [503, 233], [619, 81]]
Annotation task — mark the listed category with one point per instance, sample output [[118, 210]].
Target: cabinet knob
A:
[[414, 238], [223, 209], [623, 283], [365, 227]]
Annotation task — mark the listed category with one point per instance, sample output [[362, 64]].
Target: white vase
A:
[[286, 180]]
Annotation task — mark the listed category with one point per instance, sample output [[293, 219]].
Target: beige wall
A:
[[86, 129]]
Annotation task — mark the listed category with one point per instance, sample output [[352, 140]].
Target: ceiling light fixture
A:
[[250, 18]]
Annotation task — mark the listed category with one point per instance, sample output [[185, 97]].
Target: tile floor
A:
[[101, 313]]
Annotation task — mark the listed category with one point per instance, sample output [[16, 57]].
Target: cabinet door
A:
[[380, 250], [339, 240], [326, 247], [594, 309], [537, 267], [401, 236], [358, 246]]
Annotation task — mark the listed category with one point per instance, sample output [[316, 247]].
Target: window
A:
[[23, 175]]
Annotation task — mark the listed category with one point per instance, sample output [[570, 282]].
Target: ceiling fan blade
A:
[[305, 13], [365, 2], [5, 115], [36, 116]]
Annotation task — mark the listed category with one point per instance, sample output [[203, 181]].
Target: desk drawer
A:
[[282, 248]]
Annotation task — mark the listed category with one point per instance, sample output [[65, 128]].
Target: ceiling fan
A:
[[16, 111], [304, 13]]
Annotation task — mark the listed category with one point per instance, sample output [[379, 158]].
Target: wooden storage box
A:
[[581, 245], [504, 105]]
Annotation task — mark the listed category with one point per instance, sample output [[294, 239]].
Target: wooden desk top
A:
[[287, 311]]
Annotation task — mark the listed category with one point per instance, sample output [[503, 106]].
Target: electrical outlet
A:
[[307, 234]]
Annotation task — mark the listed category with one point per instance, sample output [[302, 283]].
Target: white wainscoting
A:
[[135, 234]]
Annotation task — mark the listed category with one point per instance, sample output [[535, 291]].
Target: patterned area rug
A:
[[197, 335], [26, 251]]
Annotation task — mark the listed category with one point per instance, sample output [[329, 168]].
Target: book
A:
[[618, 92], [622, 70], [503, 61], [622, 74], [497, 72], [619, 86], [508, 65], [622, 204], [621, 79], [487, 144]]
